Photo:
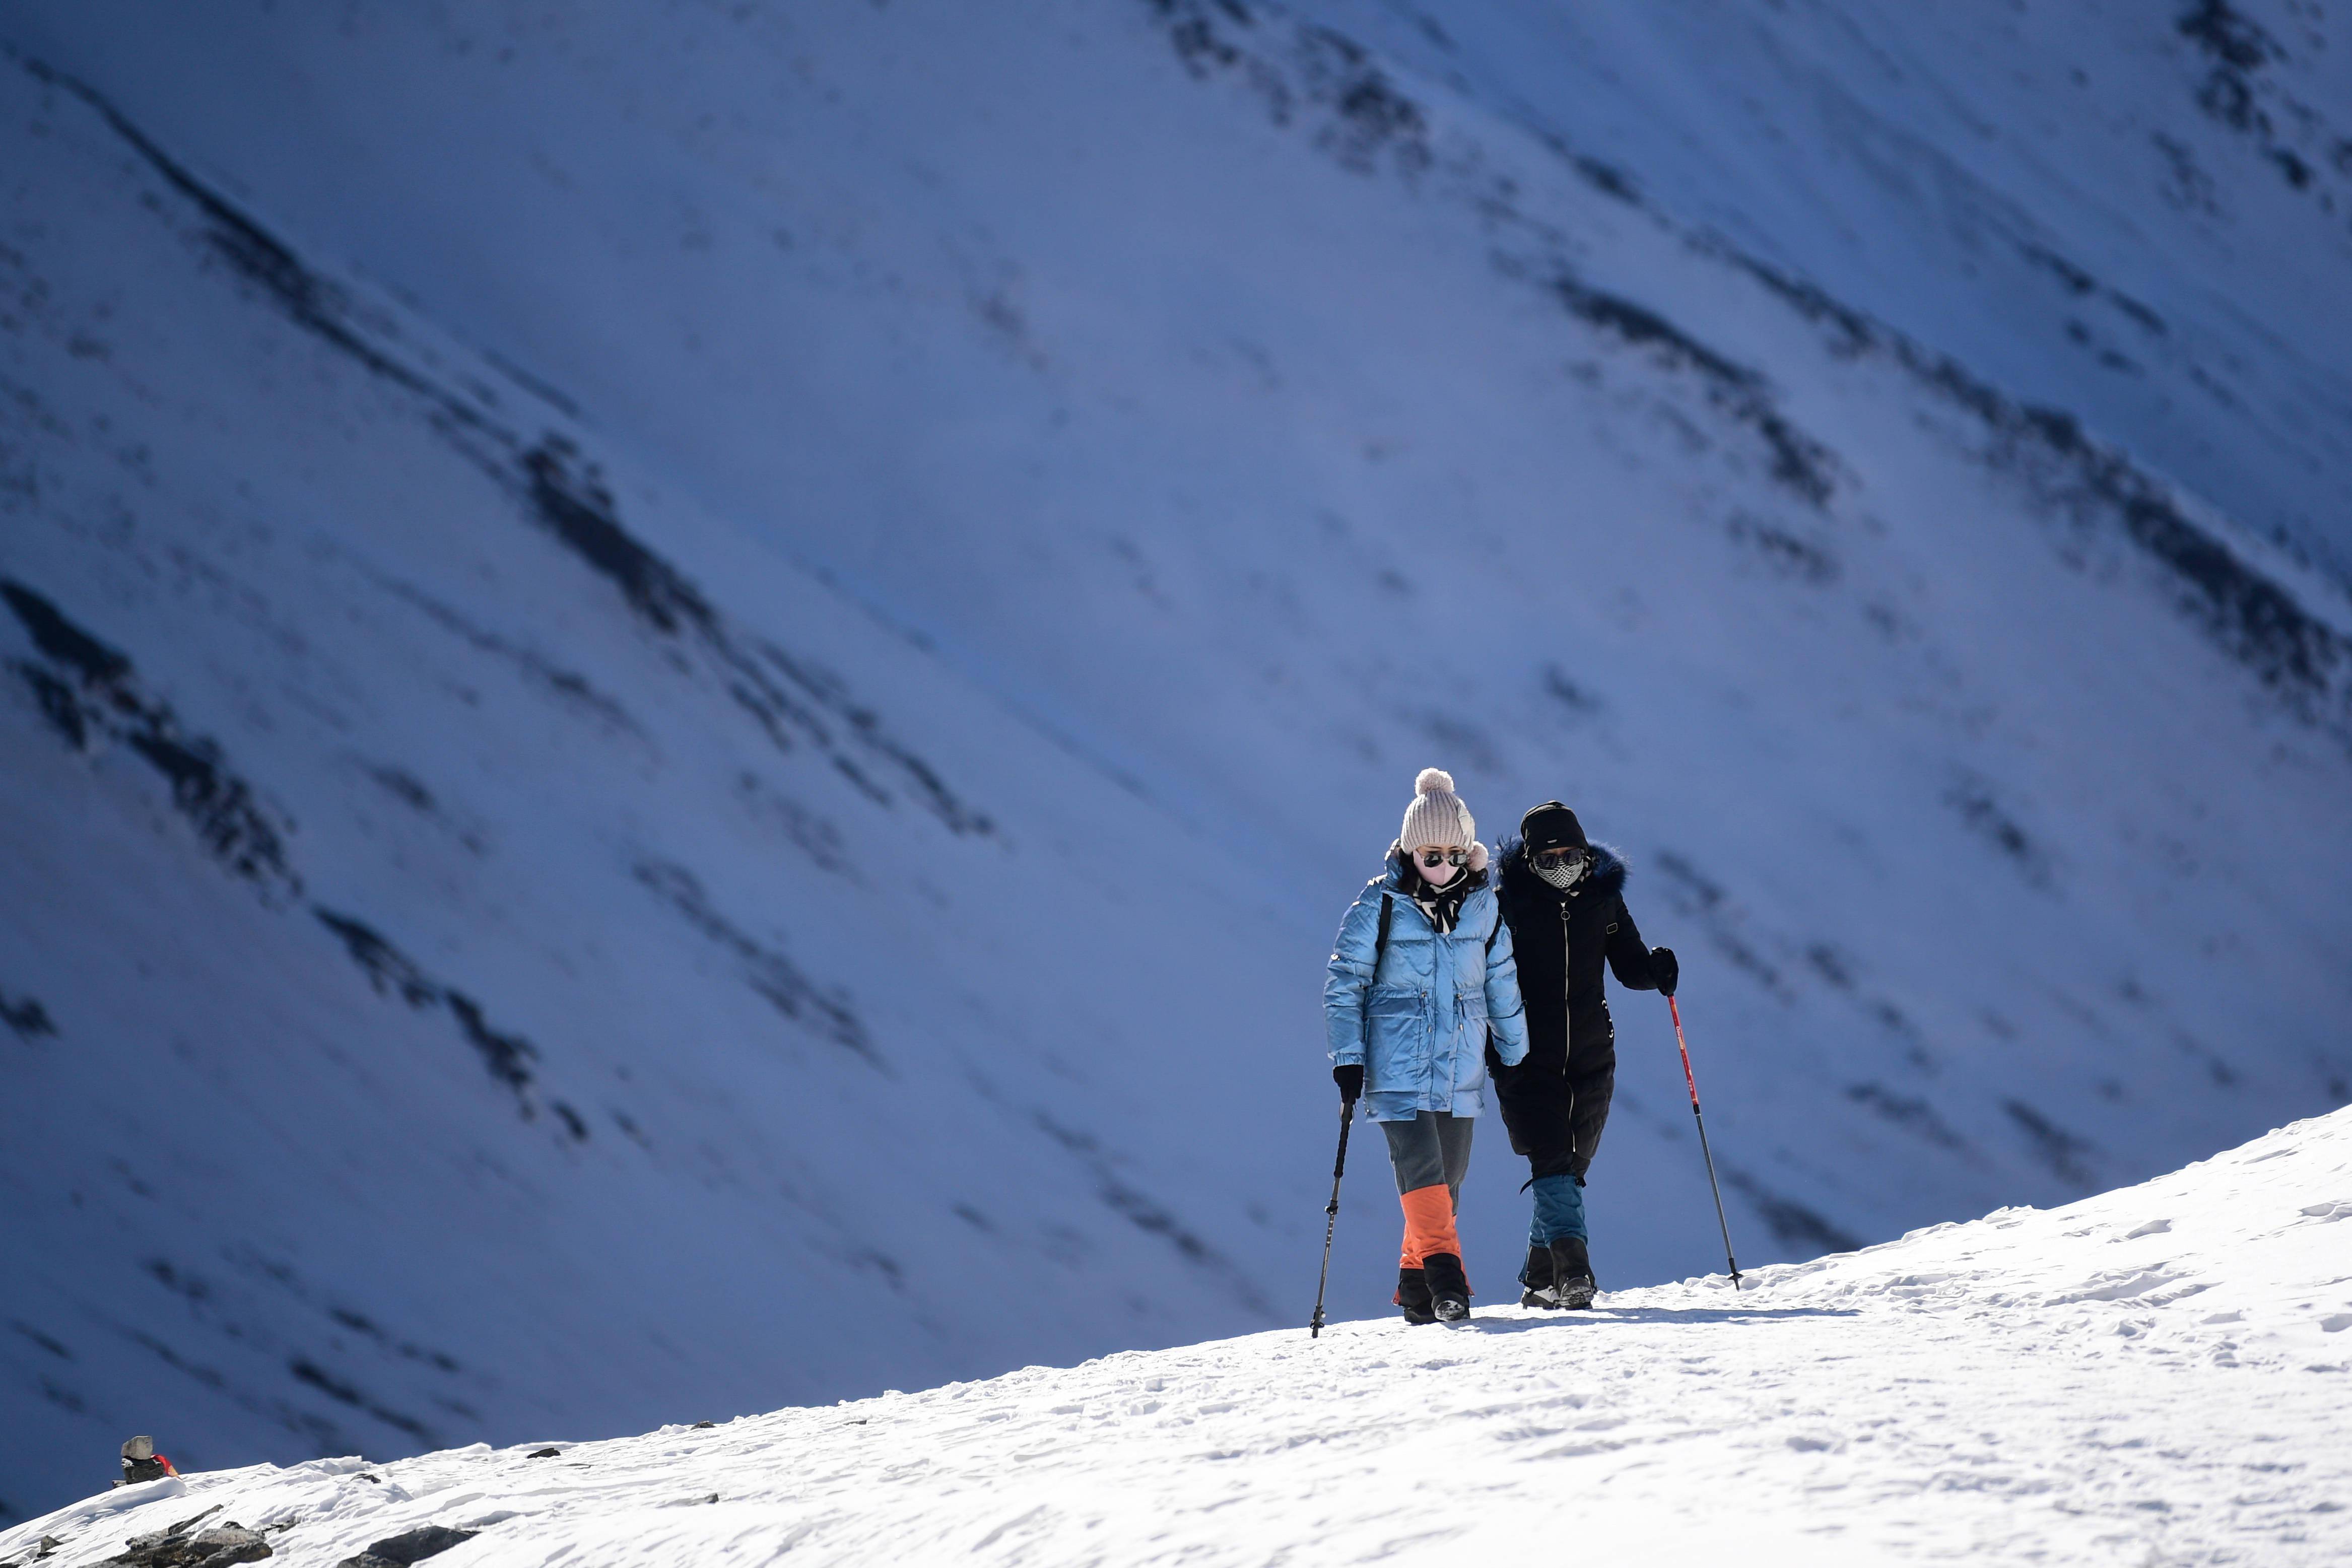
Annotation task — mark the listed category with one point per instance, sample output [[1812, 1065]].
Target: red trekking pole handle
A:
[[1692, 1082]]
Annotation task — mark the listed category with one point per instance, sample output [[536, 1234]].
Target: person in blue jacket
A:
[[1420, 980]]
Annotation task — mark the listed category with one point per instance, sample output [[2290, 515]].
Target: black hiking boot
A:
[[1537, 1278], [1412, 1295], [1571, 1271], [1449, 1287]]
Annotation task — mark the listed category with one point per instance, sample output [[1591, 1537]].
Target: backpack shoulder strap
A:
[[1381, 938]]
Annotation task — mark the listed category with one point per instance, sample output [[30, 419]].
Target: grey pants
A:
[[1433, 1148]]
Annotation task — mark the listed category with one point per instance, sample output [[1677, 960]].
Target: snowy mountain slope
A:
[[2155, 1374], [2139, 213], [1170, 431], [440, 905]]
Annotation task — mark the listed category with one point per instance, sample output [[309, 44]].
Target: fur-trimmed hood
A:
[[1519, 879]]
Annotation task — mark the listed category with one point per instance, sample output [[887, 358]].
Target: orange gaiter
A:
[[1428, 1224]]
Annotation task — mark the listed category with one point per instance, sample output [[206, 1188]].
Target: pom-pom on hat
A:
[[1438, 815]]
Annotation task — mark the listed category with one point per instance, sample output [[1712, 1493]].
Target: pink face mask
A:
[[1439, 875]]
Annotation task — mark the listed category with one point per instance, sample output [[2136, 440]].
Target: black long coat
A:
[[1556, 1102]]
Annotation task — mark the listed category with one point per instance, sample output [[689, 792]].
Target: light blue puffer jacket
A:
[[1419, 1025]]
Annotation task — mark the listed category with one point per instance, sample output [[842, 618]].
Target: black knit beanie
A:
[[1552, 826]]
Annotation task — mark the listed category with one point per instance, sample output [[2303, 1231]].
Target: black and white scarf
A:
[[1444, 904]]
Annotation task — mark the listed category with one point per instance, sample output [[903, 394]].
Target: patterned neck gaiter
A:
[[1563, 877]]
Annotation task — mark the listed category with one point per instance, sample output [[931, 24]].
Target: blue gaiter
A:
[[1559, 1210]]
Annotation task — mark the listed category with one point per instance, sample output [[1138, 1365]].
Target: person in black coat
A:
[[1564, 899]]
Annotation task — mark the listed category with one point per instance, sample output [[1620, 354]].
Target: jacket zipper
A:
[[1568, 1019], [1567, 986]]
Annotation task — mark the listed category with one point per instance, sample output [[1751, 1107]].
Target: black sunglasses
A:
[[1552, 859], [1433, 857]]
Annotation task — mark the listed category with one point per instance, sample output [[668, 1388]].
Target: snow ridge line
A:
[[1371, 122], [2300, 654], [792, 698], [88, 689]]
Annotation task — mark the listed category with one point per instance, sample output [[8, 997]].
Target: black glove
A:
[[1667, 972], [1350, 1077]]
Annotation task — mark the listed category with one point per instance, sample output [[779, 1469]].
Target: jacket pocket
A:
[[1396, 1038]]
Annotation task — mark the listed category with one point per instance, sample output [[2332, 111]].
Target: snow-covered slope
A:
[[689, 692], [2156, 1375], [2139, 213]]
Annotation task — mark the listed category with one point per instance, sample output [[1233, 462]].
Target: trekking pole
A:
[[1331, 1215], [1675, 1008]]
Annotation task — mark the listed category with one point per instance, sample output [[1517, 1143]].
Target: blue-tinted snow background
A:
[[690, 690]]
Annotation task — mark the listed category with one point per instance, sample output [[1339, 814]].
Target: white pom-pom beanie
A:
[[1438, 815]]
